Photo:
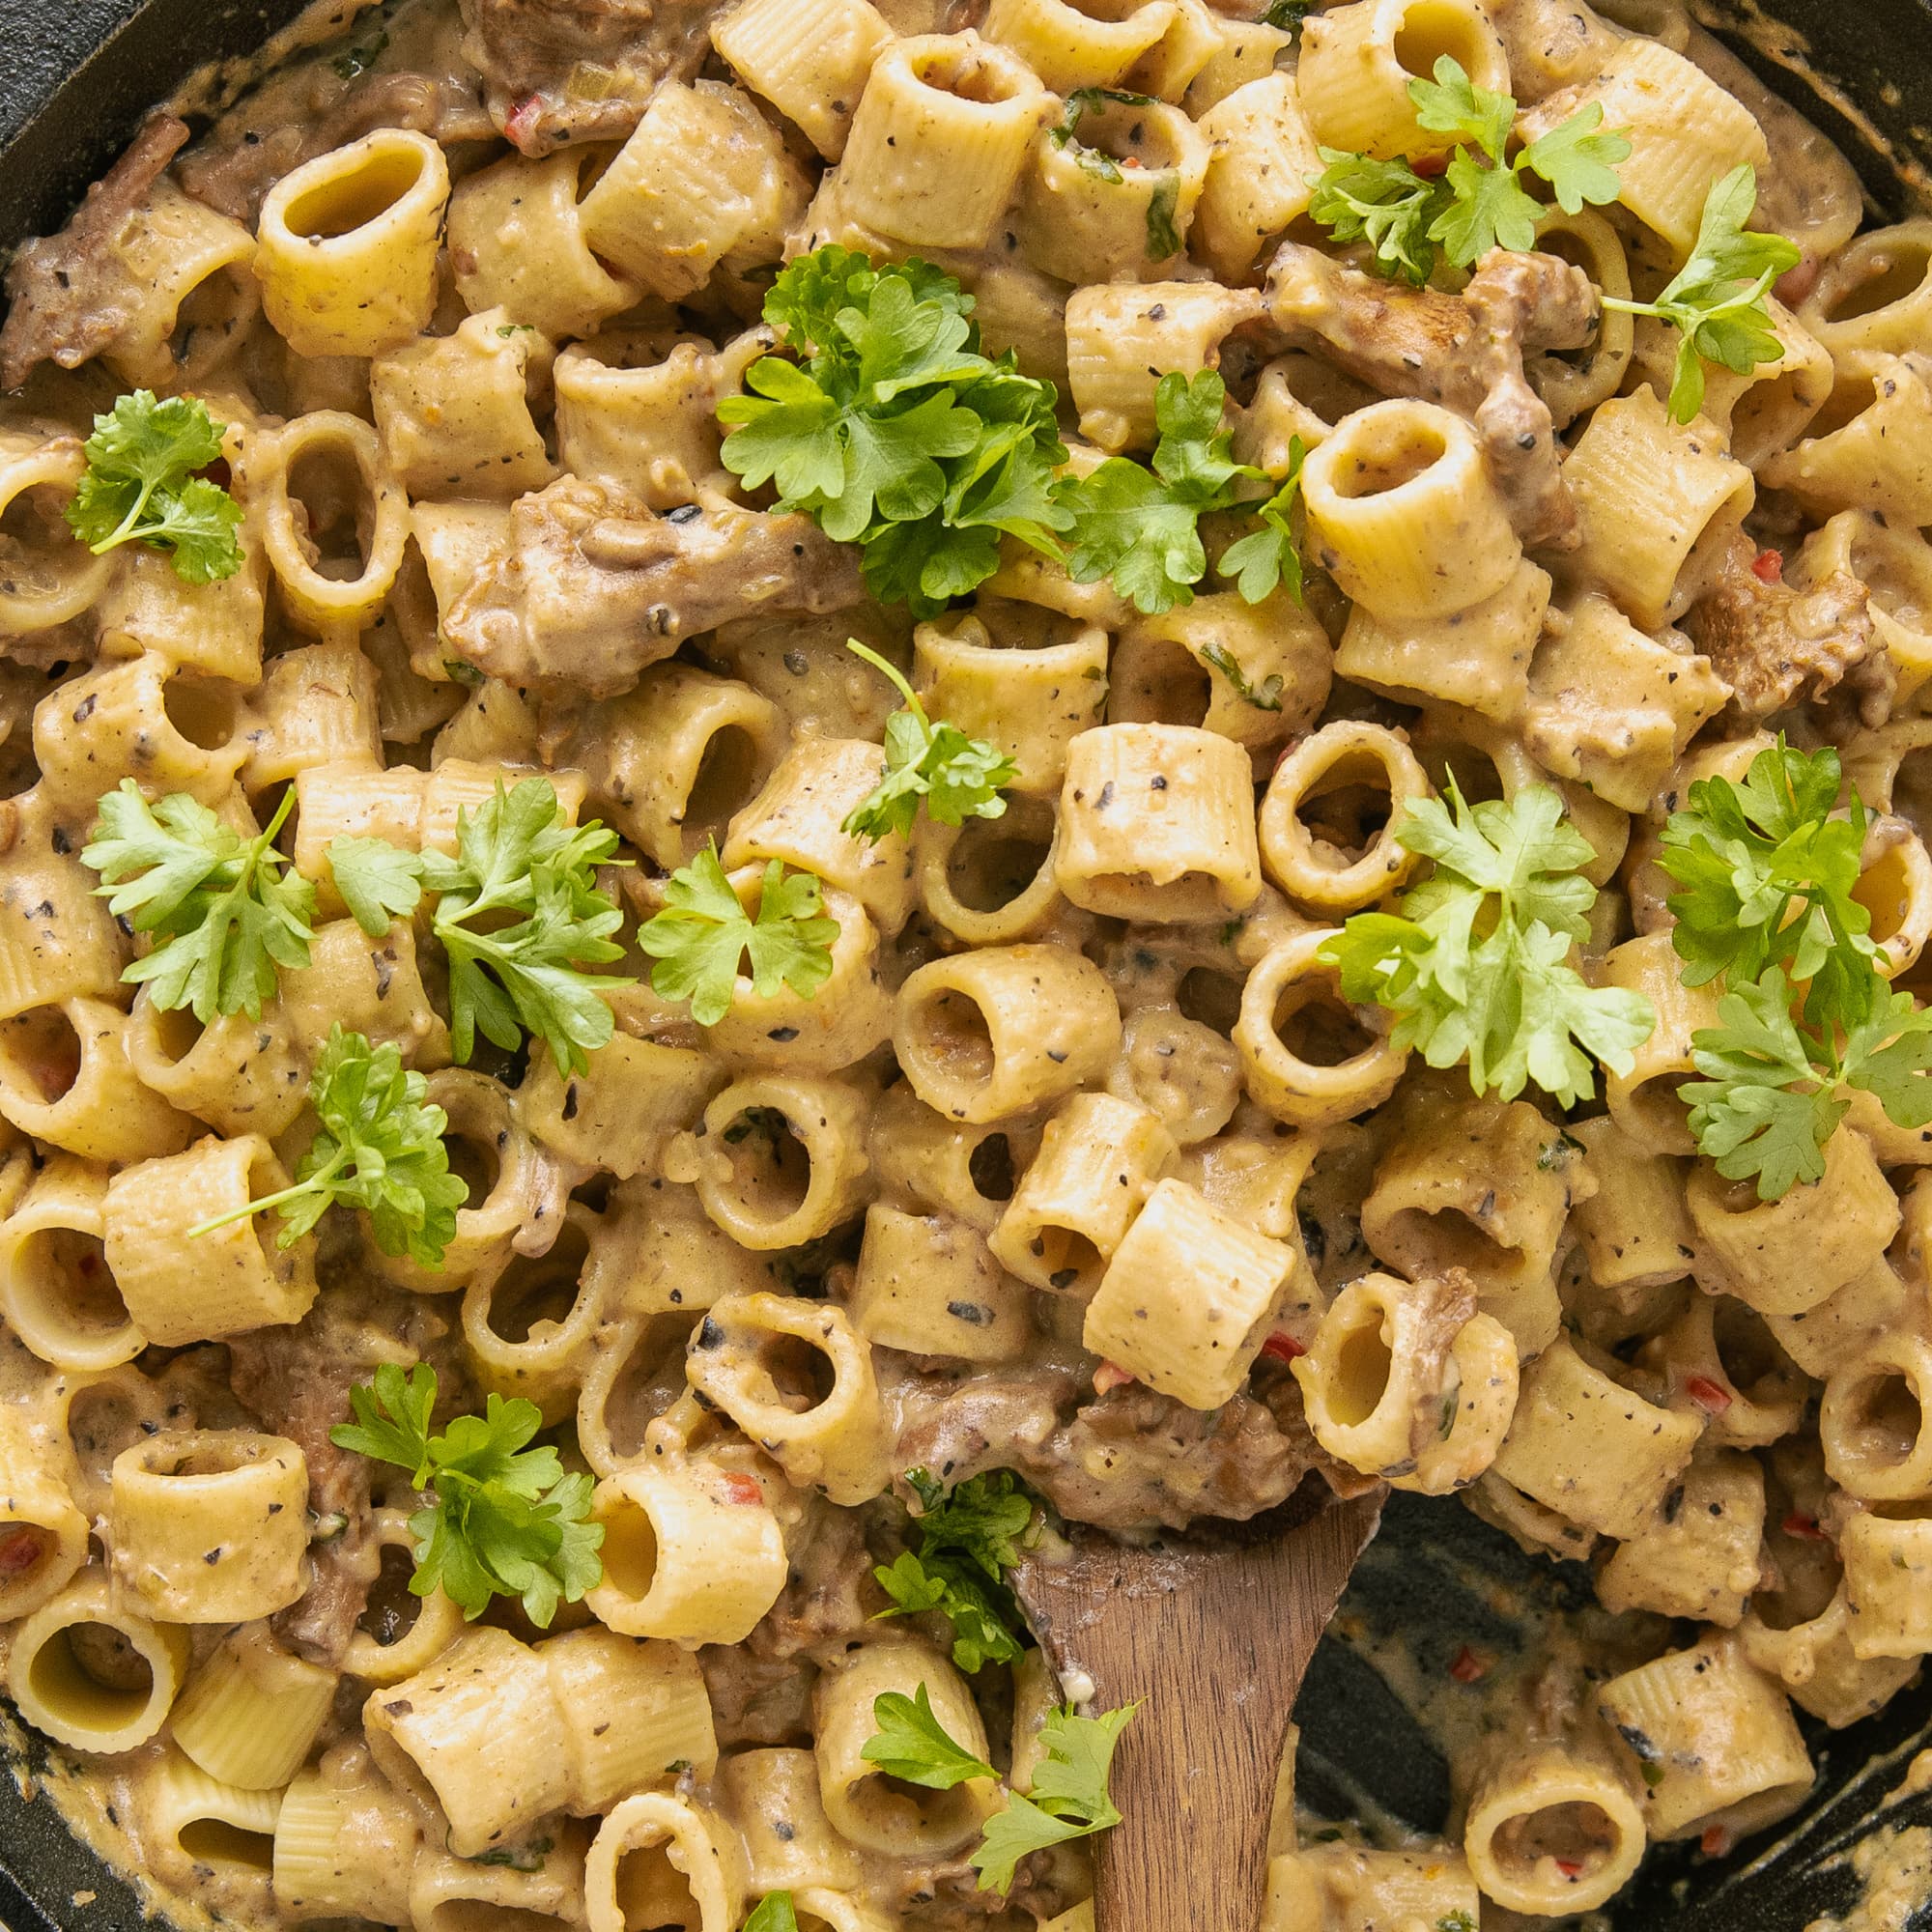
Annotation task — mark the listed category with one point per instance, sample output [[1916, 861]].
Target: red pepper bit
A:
[[1716, 1841], [516, 124], [1282, 1347], [1713, 1397], [21, 1550], [1798, 1524], [1569, 1867], [1468, 1667], [740, 1489], [1110, 1376], [1768, 567]]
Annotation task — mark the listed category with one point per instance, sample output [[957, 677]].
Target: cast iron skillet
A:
[[77, 76]]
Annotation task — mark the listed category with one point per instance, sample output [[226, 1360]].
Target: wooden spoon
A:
[[1214, 1630]]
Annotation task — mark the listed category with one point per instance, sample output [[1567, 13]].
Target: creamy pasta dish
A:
[[794, 788]]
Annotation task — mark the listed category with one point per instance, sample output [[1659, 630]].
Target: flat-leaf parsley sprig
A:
[[224, 912], [500, 1519], [968, 1540], [704, 933], [1475, 963], [141, 486], [958, 777], [519, 915], [893, 430], [1717, 301], [380, 1149], [1478, 202]]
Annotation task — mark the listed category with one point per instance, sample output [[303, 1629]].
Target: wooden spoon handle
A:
[[1220, 1668]]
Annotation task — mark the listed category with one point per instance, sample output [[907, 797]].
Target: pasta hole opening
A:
[[730, 771], [996, 860], [1126, 132], [177, 1033], [1577, 1832], [796, 1376], [92, 1676], [1453, 1239], [909, 1812], [990, 1168], [1852, 394], [1662, 1117], [216, 1842], [652, 1894], [62, 1273], [534, 1296], [202, 709], [966, 77], [1885, 276], [333, 514], [210, 314], [1431, 30], [1070, 1260], [1885, 888], [101, 1421], [956, 1036], [1886, 1419], [771, 1167], [392, 1607], [630, 1550], [1319, 1028], [475, 1163], [1157, 681], [1346, 810], [332, 208], [37, 552], [42, 1051], [1363, 1363], [1388, 457], [1211, 998], [1749, 1354]]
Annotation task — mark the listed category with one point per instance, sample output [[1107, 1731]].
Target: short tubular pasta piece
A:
[[772, 1797], [868, 1808], [58, 1291], [1097, 1162], [1260, 157], [678, 1858], [811, 66], [346, 250], [42, 1534], [1643, 1102], [1868, 449], [1572, 385], [1658, 500], [793, 1376], [91, 1674], [226, 1281], [1680, 1706], [1156, 823], [1723, 1357], [1307, 1054], [201, 1825], [398, 1632], [211, 1526], [316, 705], [1327, 838], [665, 1725], [927, 1284], [345, 1802], [240, 1075], [456, 1895], [1875, 293], [1404, 515], [997, 1032], [703, 175], [1553, 1829], [249, 1714], [990, 882], [431, 1734], [374, 532], [1072, 44], [1591, 1449], [618, 1113], [172, 731], [655, 1251], [692, 1552], [1359, 59], [1182, 1070], [516, 244], [1122, 339], [56, 939], [50, 577], [941, 135], [1783, 1257], [371, 986], [1888, 1585], [1698, 1556], [1838, 1331], [1406, 1381], [1185, 1301], [943, 1166], [1810, 1651], [198, 296], [528, 1326], [782, 1160], [1872, 1422]]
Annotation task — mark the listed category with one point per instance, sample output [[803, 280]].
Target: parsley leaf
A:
[[1163, 238], [1475, 964], [1069, 1797], [912, 1743], [379, 882], [1479, 202], [1769, 875], [1263, 697], [772, 1912], [703, 934], [959, 777], [224, 912], [380, 1149], [1288, 14], [140, 487], [1716, 300], [893, 430], [503, 1519], [968, 1541], [1270, 557]]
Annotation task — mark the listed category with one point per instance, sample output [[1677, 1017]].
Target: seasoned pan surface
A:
[[74, 79]]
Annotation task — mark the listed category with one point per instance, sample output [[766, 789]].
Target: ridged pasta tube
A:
[[1074, 43], [809, 64], [677, 1853], [91, 1673], [249, 1714], [58, 1289], [1332, 856], [1553, 1829]]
